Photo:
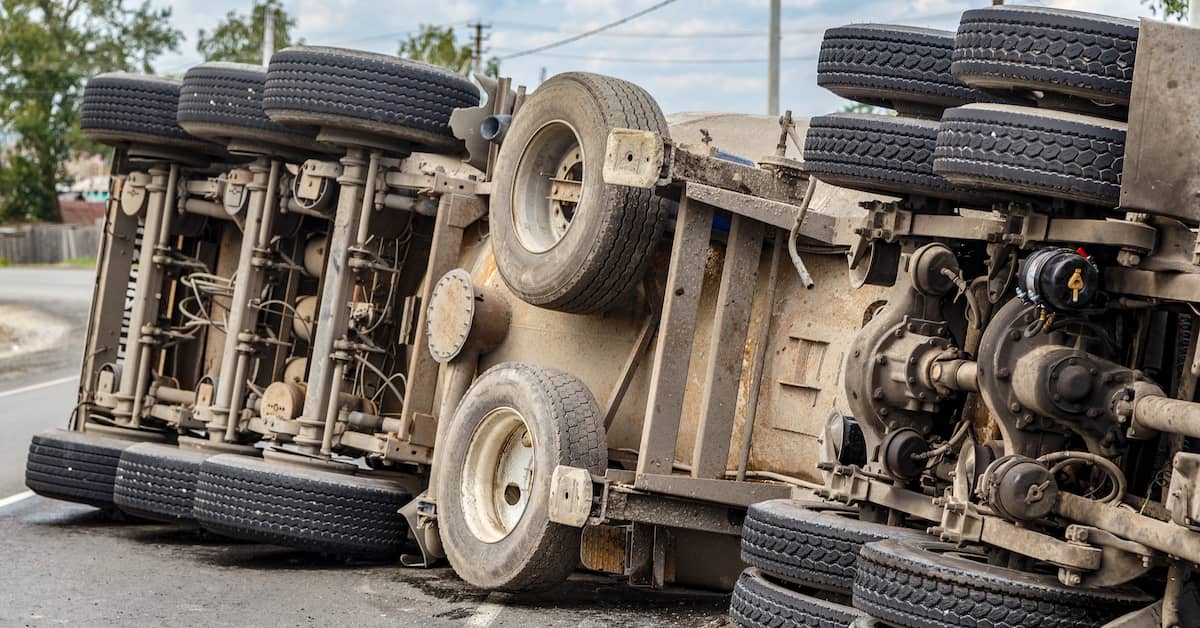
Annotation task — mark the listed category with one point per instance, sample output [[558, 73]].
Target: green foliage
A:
[[436, 45], [48, 50], [239, 38], [857, 107], [1169, 9]]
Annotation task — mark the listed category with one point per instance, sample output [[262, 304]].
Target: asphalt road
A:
[[70, 564]]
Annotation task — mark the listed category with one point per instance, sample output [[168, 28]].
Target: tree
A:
[[437, 45], [1170, 9], [239, 38], [48, 50]]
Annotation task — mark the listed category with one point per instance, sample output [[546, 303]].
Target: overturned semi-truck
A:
[[927, 369]]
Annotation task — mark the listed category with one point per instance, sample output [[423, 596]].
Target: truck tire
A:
[[893, 66], [573, 256], [1025, 49], [366, 92], [759, 603], [937, 585], [877, 153], [119, 109], [297, 506], [74, 466], [516, 423], [223, 101], [809, 543], [1032, 151], [156, 481]]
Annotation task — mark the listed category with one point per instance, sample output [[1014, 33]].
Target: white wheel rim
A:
[[547, 186], [497, 475]]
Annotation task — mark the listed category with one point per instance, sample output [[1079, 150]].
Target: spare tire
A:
[[810, 543], [877, 153], [1032, 151], [759, 603], [223, 102], [74, 466], [120, 109], [939, 585], [366, 92], [893, 66], [302, 507], [1027, 48], [563, 238]]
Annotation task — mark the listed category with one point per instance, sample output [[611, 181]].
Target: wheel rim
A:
[[497, 476], [547, 186]]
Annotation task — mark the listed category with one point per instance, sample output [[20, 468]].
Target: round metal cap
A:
[[451, 311]]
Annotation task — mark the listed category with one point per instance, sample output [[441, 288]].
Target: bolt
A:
[[1003, 373], [878, 393], [884, 412], [881, 360], [912, 380], [899, 333], [1014, 407], [1014, 335]]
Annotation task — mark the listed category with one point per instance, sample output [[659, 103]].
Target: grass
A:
[[81, 262]]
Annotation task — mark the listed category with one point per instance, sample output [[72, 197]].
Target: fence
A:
[[48, 244]]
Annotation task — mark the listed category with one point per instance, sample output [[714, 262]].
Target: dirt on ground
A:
[[26, 329]]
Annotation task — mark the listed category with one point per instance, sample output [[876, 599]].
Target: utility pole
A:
[[773, 61], [479, 27], [268, 34]]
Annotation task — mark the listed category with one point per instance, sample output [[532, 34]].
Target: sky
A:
[[691, 55]]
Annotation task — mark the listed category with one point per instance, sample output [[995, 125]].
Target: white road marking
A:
[[25, 389], [12, 499], [486, 614]]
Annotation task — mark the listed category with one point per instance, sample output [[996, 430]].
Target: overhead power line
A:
[[674, 60], [811, 30], [589, 33]]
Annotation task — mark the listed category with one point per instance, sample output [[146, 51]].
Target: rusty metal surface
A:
[[716, 491], [623, 504], [775, 213], [726, 347], [1169, 286], [1164, 123], [112, 278], [1165, 537], [673, 351], [454, 213]]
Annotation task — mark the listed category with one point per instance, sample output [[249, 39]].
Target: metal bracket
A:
[[961, 523], [570, 496], [421, 515], [635, 158], [847, 484]]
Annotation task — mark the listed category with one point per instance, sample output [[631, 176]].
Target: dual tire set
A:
[[1023, 104], [817, 565], [217, 110]]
